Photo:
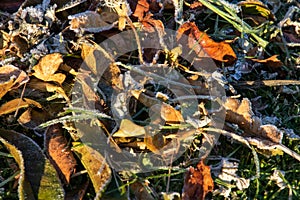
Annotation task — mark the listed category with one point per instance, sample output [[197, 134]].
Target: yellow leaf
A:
[[47, 66], [16, 104], [129, 129]]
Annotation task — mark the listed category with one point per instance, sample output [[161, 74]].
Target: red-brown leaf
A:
[[60, 155], [201, 43], [197, 182]]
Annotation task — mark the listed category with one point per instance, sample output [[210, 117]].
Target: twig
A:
[[269, 83]]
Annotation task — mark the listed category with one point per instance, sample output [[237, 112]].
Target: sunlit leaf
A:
[[38, 178], [11, 77], [272, 61], [202, 44], [16, 104], [240, 112], [96, 166], [47, 66], [129, 129]]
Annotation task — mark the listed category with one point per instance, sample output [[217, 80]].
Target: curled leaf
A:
[[38, 178], [56, 146], [240, 112], [11, 77], [16, 104]]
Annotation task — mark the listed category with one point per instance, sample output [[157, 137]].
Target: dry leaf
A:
[[129, 129], [47, 66], [240, 112], [254, 9], [141, 8], [141, 191], [273, 61], [11, 77], [60, 155], [202, 44], [31, 118], [169, 114], [47, 87], [197, 182], [16, 104], [96, 166], [88, 21]]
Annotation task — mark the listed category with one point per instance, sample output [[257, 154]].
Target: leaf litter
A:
[[39, 38]]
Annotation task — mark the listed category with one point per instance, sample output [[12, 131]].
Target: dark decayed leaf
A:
[[56, 146], [38, 178]]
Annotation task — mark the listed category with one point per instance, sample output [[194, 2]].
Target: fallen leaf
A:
[[141, 191], [11, 77], [197, 182], [60, 155], [89, 21], [272, 61], [129, 129], [47, 66], [16, 104], [96, 166], [31, 118], [47, 87], [38, 178], [255, 8], [240, 112], [141, 8], [202, 44]]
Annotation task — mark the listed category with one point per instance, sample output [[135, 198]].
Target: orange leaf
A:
[[16, 104], [47, 66], [141, 7], [60, 155], [197, 182], [202, 44], [11, 77], [273, 61]]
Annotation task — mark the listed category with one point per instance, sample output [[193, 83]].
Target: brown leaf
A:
[[202, 44], [88, 21], [47, 66], [11, 77], [240, 112], [140, 191], [197, 182], [31, 118], [60, 155], [47, 87], [272, 61], [129, 129], [141, 7], [16, 104]]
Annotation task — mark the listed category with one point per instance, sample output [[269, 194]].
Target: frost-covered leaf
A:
[[38, 178], [240, 112], [11, 77], [16, 104], [89, 21], [47, 66], [96, 166]]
